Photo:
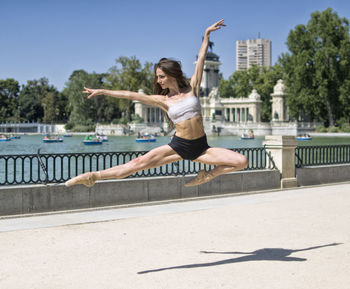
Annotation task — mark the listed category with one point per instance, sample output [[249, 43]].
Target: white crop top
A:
[[184, 109]]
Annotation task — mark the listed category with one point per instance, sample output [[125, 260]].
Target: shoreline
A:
[[330, 134], [346, 134]]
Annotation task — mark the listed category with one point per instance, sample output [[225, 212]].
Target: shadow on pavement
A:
[[266, 254]]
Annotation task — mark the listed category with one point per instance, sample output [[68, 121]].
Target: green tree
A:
[[317, 70], [131, 76], [239, 84], [62, 105], [226, 87], [9, 90], [264, 83], [81, 110], [31, 99], [54, 104]]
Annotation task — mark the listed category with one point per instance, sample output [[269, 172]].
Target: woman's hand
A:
[[215, 26], [92, 92]]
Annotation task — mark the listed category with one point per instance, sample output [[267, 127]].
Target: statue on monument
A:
[[214, 94], [211, 44]]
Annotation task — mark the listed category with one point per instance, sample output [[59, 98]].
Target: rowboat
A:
[[52, 139], [4, 138], [92, 140], [146, 138], [247, 135], [102, 137], [14, 136], [304, 137]]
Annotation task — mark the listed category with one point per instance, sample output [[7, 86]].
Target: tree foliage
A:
[[86, 112], [54, 104], [317, 69], [130, 76], [9, 90], [34, 101], [83, 111]]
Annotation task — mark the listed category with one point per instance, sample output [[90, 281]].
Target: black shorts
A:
[[189, 149]]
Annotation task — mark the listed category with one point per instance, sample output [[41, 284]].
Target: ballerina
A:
[[179, 100]]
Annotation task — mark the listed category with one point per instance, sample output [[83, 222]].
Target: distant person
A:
[[179, 100]]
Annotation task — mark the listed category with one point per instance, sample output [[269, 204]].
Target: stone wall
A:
[[318, 175], [29, 199]]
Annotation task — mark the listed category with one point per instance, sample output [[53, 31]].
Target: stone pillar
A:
[[282, 149], [279, 109], [153, 115]]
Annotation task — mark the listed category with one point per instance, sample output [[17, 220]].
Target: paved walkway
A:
[[293, 239]]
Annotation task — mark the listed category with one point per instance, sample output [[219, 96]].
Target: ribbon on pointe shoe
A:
[[201, 178], [86, 179]]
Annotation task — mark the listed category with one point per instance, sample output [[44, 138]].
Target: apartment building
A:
[[253, 52]]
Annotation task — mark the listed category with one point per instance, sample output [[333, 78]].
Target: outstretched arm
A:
[[154, 100], [197, 76]]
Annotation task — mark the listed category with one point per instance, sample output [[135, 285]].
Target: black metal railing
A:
[[322, 155], [57, 168]]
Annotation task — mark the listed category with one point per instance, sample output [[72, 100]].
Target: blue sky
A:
[[48, 38]]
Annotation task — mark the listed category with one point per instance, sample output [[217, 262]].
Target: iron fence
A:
[[322, 155], [57, 168]]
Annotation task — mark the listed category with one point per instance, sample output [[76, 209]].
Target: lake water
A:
[[29, 144], [20, 170]]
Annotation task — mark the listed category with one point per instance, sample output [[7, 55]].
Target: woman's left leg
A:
[[225, 160]]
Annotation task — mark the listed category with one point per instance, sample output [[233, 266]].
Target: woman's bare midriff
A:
[[190, 128]]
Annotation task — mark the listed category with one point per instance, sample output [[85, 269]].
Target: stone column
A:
[[153, 115], [282, 148], [157, 115]]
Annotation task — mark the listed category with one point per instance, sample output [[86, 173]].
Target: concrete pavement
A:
[[297, 238]]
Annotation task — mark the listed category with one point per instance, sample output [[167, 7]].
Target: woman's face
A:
[[165, 81]]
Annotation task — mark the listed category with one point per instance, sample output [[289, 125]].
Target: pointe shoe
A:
[[87, 179], [201, 178]]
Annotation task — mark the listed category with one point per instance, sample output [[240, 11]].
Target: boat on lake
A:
[[14, 136], [102, 137], [52, 139], [4, 137], [146, 138], [69, 134], [92, 140], [248, 135], [304, 137]]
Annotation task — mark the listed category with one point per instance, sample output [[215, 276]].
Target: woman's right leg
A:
[[154, 158]]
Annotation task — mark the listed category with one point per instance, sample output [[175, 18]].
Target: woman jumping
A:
[[180, 101]]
